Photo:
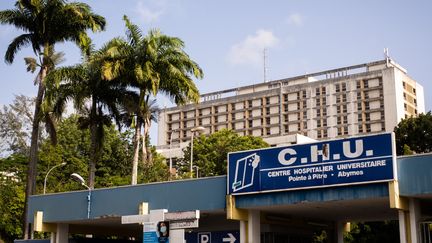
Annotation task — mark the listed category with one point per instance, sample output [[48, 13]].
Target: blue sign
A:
[[354, 160], [213, 237]]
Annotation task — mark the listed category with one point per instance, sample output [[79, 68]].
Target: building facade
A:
[[354, 100]]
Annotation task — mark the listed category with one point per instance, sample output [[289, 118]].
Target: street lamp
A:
[[46, 176], [193, 130], [81, 180], [170, 158]]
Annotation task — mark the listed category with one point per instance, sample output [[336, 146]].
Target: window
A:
[[360, 117], [267, 99], [345, 109], [344, 87], [268, 120], [404, 96], [318, 102], [304, 94], [337, 88], [414, 90], [317, 91], [405, 107], [403, 84], [366, 84], [368, 128], [318, 112]]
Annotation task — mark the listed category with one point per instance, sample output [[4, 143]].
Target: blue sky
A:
[[227, 38]]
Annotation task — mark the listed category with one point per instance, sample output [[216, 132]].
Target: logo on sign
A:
[[245, 172]]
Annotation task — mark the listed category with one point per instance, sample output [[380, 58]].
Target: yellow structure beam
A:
[[40, 226], [396, 201], [233, 212]]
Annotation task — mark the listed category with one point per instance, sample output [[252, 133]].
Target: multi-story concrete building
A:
[[360, 99]]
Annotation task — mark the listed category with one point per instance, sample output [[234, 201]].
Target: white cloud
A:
[[250, 50], [150, 11], [295, 19]]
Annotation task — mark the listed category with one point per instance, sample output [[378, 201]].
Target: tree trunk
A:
[[147, 147], [136, 152], [93, 145], [31, 168], [144, 147]]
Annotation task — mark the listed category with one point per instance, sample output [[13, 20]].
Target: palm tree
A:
[[40, 20], [98, 100], [153, 63]]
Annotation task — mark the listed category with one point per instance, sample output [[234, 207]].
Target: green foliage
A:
[[155, 171], [373, 232], [210, 152], [12, 196], [416, 133], [73, 147]]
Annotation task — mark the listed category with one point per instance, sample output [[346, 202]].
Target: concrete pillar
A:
[[414, 218], [341, 228], [62, 235], [404, 234], [53, 237], [254, 226], [243, 231]]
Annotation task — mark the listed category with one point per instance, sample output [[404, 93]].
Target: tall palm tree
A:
[[98, 100], [153, 63], [45, 23]]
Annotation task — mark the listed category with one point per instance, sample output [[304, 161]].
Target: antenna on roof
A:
[[386, 56], [265, 64]]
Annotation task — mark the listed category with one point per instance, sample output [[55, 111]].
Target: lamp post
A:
[[193, 130], [49, 171], [81, 180], [170, 158]]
